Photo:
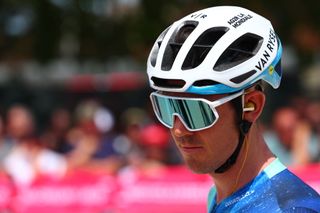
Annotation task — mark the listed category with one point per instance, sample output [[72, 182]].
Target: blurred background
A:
[[74, 93]]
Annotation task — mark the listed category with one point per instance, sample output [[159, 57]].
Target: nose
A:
[[179, 129]]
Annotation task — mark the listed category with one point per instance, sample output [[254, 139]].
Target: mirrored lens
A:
[[196, 114]]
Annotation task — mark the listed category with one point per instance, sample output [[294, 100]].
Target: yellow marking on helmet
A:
[[271, 70]]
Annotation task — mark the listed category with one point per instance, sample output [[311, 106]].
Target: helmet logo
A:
[[198, 15], [271, 70], [239, 19], [267, 52]]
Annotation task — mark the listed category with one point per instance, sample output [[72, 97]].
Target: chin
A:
[[198, 168]]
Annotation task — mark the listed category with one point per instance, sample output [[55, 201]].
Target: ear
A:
[[256, 101]]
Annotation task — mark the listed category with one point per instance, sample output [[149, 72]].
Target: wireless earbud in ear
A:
[[248, 107]]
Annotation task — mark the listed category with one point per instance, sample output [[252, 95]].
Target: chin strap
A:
[[244, 129]]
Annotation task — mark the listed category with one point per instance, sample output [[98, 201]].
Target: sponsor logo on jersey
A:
[[239, 198]]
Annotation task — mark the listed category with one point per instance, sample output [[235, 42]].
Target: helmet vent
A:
[[203, 83], [156, 47], [175, 43], [239, 79], [239, 51], [202, 46], [168, 83]]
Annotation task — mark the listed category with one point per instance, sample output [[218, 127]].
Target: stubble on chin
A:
[[197, 166], [194, 163]]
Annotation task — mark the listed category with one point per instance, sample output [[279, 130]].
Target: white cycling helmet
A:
[[217, 50]]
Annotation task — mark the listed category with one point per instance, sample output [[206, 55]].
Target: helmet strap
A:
[[244, 129]]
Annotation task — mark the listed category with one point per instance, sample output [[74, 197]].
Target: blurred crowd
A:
[[294, 132], [85, 138], [89, 137]]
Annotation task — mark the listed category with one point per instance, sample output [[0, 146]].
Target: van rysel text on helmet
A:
[[269, 49]]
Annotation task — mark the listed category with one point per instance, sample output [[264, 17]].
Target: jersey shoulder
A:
[[292, 193], [276, 189]]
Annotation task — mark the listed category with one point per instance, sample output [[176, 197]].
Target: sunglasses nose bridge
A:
[[178, 128]]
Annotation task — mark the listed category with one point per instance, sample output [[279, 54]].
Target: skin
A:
[[206, 150]]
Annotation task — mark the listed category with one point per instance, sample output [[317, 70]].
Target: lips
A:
[[191, 149], [188, 145]]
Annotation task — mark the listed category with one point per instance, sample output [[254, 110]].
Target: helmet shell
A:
[[216, 50]]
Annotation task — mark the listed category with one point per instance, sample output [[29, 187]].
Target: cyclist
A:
[[209, 70]]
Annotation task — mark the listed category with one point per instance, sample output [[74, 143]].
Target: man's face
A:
[[206, 150]]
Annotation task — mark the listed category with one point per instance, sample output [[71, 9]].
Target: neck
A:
[[253, 158]]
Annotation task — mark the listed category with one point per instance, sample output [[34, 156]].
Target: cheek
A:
[[225, 132], [228, 117]]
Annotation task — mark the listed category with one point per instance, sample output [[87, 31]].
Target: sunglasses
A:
[[195, 113]]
